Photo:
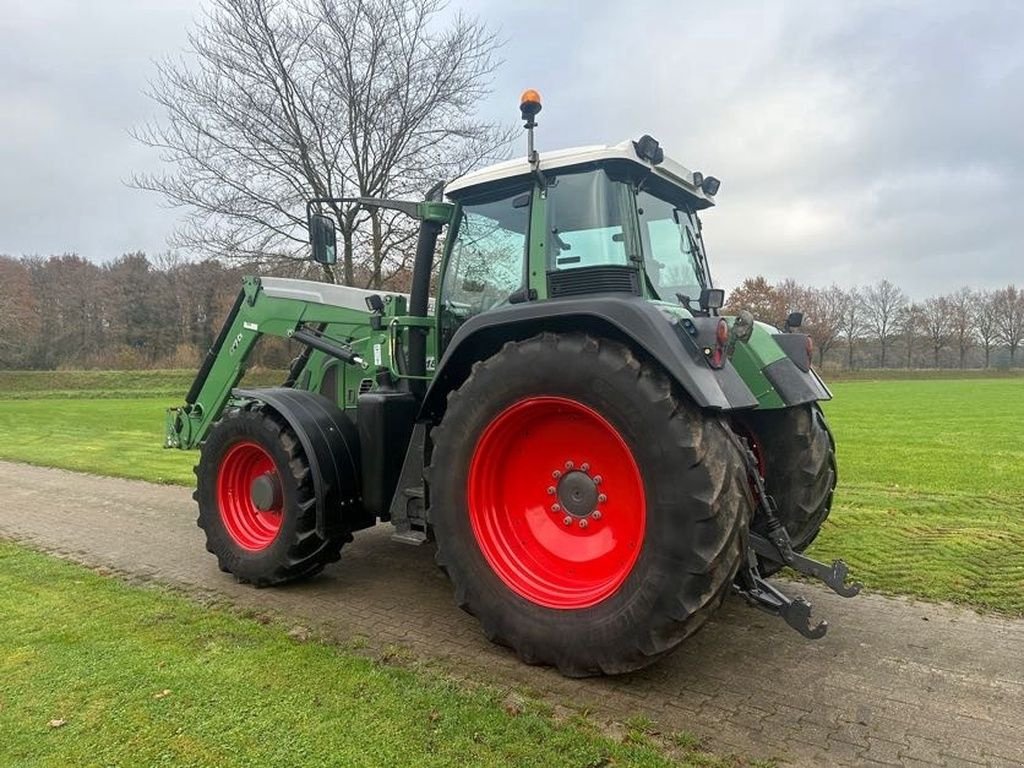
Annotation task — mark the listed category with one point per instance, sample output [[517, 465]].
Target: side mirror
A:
[[795, 320], [322, 238], [712, 298]]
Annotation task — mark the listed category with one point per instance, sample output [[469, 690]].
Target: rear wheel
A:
[[797, 458], [256, 501], [587, 515]]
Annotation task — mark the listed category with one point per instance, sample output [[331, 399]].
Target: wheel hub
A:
[[577, 493], [538, 495], [265, 492]]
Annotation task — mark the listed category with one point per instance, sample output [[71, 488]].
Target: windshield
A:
[[670, 241]]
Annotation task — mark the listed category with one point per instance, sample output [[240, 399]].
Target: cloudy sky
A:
[[855, 140]]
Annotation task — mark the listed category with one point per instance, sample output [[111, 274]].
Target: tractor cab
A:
[[620, 219]]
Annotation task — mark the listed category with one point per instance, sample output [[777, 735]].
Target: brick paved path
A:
[[894, 682]]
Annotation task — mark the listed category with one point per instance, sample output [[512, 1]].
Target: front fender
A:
[[635, 321], [331, 444]]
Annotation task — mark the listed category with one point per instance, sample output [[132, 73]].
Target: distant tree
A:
[[19, 319], [852, 324], [937, 322], [281, 101], [962, 317], [985, 326], [885, 310], [826, 310], [793, 295], [910, 324], [1008, 307], [140, 309], [761, 298], [75, 315]]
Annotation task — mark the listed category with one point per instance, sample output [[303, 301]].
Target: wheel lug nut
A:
[[569, 465], [583, 523], [556, 507], [551, 490], [585, 466], [602, 497], [597, 479], [567, 520], [556, 474], [596, 514]]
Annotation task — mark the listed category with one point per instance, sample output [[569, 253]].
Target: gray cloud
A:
[[855, 140]]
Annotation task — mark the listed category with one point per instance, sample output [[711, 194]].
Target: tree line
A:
[[165, 311], [879, 326], [134, 312]]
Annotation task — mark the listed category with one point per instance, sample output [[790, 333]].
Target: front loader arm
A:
[[221, 370], [257, 313]]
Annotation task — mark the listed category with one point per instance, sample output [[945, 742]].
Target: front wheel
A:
[[589, 516], [256, 501]]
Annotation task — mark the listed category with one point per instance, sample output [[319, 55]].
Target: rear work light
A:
[[721, 342]]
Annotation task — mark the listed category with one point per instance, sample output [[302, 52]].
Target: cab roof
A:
[[668, 169]]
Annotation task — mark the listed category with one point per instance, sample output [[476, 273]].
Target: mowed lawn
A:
[[931, 488], [931, 472], [94, 672]]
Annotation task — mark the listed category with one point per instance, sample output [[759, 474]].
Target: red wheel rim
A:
[[251, 528], [536, 471]]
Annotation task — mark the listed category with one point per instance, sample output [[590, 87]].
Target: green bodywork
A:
[[260, 313], [750, 359]]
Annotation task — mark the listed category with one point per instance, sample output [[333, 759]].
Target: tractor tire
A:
[[277, 541], [797, 457], [588, 515]]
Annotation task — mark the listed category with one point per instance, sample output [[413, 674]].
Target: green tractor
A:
[[598, 456]]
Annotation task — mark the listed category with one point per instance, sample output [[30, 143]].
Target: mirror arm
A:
[[408, 208]]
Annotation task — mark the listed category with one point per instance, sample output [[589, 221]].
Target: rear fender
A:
[[777, 367], [634, 321], [331, 444]]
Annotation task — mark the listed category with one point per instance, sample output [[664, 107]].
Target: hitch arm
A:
[[781, 551], [759, 593]]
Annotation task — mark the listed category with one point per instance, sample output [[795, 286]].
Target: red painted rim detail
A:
[[251, 528], [539, 457]]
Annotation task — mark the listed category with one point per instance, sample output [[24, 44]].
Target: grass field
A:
[[931, 498], [96, 672], [93, 671], [930, 501]]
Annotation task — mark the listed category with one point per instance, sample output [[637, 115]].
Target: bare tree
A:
[[286, 100], [825, 313], [963, 309], [909, 325], [985, 323], [1008, 307], [885, 308], [852, 324], [936, 320]]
